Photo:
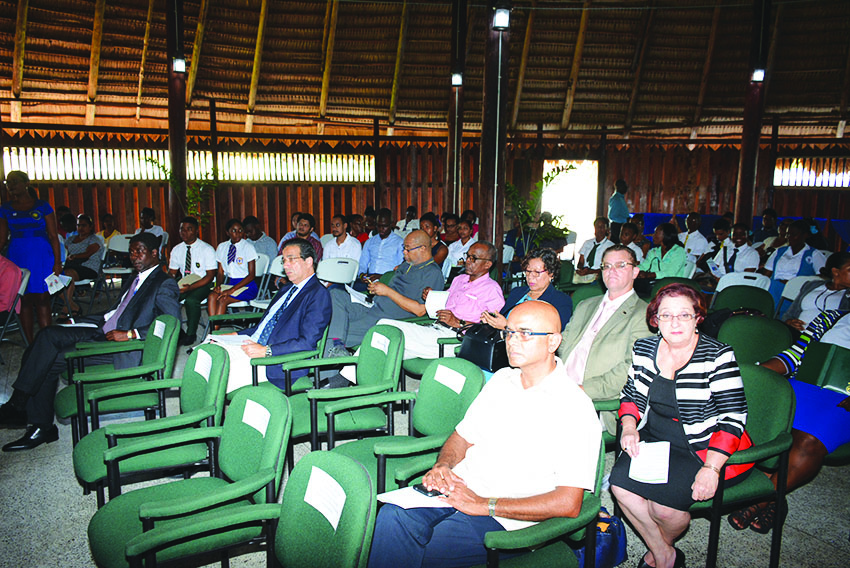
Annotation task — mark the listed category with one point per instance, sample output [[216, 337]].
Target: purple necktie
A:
[[231, 254], [112, 323]]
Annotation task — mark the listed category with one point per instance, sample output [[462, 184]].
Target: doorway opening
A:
[[572, 195]]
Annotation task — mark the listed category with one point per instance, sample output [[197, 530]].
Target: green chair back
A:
[[739, 297], [205, 380], [568, 270], [387, 277], [447, 388], [770, 405], [586, 291], [662, 282], [161, 343], [754, 338], [255, 435], [311, 532], [381, 352], [826, 365]]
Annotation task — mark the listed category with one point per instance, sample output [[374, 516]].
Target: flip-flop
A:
[[742, 519], [766, 519]]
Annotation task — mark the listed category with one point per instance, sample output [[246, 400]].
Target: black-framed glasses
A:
[[473, 258], [522, 334], [618, 265]]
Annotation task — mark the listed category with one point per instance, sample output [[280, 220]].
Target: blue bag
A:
[[610, 542]]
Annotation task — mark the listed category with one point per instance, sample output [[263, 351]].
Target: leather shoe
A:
[[12, 417], [34, 437]]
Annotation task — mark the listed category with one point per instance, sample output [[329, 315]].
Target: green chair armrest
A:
[[325, 362], [161, 442], [406, 445], [418, 319], [414, 466], [545, 531], [160, 425], [119, 390], [238, 316], [188, 505], [110, 375], [762, 451], [448, 341], [162, 535], [89, 348], [349, 392], [606, 405], [370, 400], [286, 358]]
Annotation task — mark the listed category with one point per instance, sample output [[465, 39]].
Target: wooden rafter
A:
[[637, 66], [572, 83], [399, 59], [94, 66], [523, 63], [145, 44], [771, 51], [328, 58], [258, 61], [842, 123], [196, 49], [706, 68], [18, 58]]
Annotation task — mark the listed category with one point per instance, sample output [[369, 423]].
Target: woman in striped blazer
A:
[[684, 388]]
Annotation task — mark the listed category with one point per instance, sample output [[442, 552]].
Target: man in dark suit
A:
[[294, 321], [150, 294]]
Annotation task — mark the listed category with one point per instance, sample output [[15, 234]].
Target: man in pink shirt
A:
[[470, 294]]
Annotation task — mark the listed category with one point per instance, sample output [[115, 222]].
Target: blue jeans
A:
[[442, 537]]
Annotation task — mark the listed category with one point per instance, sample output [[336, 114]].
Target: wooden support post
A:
[[196, 49], [380, 166], [494, 120], [576, 67], [399, 58], [18, 60], [145, 44], [94, 66], [328, 57], [176, 118], [523, 63], [637, 68], [774, 152], [706, 68], [258, 60]]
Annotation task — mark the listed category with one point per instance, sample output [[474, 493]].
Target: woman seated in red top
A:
[[684, 388]]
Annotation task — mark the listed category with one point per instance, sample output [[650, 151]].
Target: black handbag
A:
[[484, 346]]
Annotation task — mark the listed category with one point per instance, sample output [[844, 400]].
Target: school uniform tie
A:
[[187, 270], [270, 325], [231, 254], [592, 256], [730, 265]]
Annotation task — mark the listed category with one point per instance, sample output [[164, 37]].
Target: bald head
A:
[[417, 238], [534, 355], [543, 315]]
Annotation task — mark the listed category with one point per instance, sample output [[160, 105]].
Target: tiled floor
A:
[[44, 514]]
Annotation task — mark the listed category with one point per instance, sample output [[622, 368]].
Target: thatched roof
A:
[[664, 67]]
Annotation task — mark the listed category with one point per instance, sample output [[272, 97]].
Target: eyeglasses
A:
[[618, 265], [535, 273], [670, 317], [473, 258], [411, 249], [522, 334], [291, 259]]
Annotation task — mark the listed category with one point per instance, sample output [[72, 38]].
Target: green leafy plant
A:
[[194, 196], [534, 226]]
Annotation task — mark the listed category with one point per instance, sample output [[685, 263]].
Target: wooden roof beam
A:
[[145, 44], [706, 68], [637, 65], [196, 49], [399, 58], [94, 65], [572, 83], [523, 63], [330, 26], [18, 59], [258, 60]]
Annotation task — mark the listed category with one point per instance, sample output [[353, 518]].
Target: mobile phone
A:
[[424, 490], [493, 314]]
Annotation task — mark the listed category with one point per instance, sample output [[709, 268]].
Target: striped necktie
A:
[[270, 325], [187, 270], [231, 254]]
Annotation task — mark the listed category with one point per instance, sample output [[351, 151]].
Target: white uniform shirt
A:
[[203, 258], [350, 248], [747, 257], [638, 252], [585, 249], [695, 244], [245, 253], [456, 251], [788, 264]]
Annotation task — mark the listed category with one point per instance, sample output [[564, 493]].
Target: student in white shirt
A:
[[736, 254], [342, 245], [590, 253], [694, 242], [146, 222], [237, 260], [628, 234], [192, 258], [409, 224]]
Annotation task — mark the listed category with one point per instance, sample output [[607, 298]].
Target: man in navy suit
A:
[[294, 321], [150, 294]]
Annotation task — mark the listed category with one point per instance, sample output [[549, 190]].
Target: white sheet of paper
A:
[[188, 280], [235, 294], [159, 329], [203, 365], [226, 339], [326, 495], [358, 297], [56, 283], [81, 324], [409, 498], [436, 300], [652, 463], [450, 378], [256, 416], [380, 342]]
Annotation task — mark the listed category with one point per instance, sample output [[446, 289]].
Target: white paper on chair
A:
[[409, 498], [450, 378], [227, 339], [56, 283], [203, 365], [188, 280], [256, 416], [436, 300], [358, 297], [159, 329], [380, 342], [652, 463], [326, 495]]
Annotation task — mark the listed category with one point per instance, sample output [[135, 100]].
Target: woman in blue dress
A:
[[34, 246]]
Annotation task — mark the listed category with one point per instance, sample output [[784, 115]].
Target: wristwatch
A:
[[491, 506], [130, 334]]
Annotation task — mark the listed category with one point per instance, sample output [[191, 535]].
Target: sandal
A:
[[766, 519], [743, 518]]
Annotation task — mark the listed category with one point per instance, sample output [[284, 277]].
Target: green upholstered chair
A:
[[741, 297], [586, 291], [378, 364], [304, 533], [547, 540], [447, 389], [770, 413], [247, 457], [158, 352], [754, 338], [201, 404], [662, 282]]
